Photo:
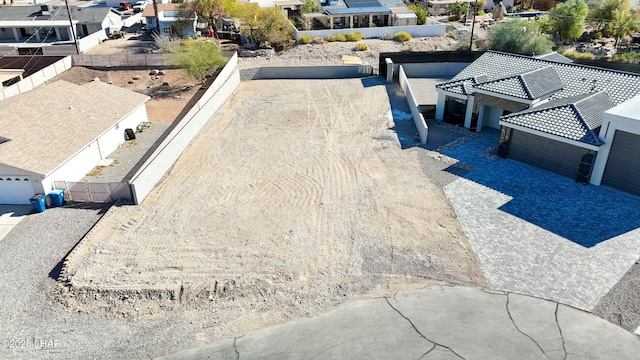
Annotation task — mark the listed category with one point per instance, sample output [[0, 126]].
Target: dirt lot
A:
[[167, 100], [295, 197]]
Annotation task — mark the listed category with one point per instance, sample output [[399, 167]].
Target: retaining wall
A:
[[307, 72], [435, 69], [384, 32], [418, 119], [37, 78], [120, 60], [174, 144]]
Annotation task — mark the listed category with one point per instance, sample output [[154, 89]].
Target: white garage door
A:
[[15, 189]]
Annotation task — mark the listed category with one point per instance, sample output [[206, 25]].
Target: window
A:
[[167, 30]]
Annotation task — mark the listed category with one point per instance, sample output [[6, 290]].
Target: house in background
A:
[[173, 20], [558, 116], [353, 14], [44, 25], [56, 132]]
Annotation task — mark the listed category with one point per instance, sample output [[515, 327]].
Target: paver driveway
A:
[[541, 234]]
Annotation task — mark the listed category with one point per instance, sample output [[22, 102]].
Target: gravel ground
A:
[[127, 155], [621, 305]]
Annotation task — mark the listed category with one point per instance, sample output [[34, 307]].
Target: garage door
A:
[[623, 166], [551, 155], [15, 189]]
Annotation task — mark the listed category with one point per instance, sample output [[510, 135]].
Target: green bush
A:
[[337, 37], [305, 39], [361, 47], [596, 35], [402, 36], [421, 13], [480, 13], [354, 37]]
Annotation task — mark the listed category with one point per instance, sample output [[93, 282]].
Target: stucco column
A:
[[331, 22], [469, 112], [440, 106], [370, 19], [389, 63], [480, 117], [350, 21], [602, 155], [15, 34]]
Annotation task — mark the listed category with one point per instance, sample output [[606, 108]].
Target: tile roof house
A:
[[352, 14], [551, 114], [60, 131]]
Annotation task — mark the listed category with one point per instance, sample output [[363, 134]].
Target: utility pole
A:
[[155, 11], [473, 23], [73, 30]]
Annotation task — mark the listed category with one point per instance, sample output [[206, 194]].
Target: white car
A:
[[139, 6]]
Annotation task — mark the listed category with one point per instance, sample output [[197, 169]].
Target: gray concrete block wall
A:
[[439, 70], [307, 72]]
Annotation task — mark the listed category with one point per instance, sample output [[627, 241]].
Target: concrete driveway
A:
[[10, 216], [436, 323]]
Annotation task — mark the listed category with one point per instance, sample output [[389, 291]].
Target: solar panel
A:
[[362, 3]]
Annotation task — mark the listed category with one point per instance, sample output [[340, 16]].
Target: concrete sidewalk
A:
[[437, 323], [10, 216]]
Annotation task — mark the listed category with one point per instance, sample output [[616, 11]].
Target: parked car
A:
[[125, 5], [139, 6]]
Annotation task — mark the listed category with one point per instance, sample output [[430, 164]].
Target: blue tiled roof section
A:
[[530, 85], [577, 118], [576, 79]]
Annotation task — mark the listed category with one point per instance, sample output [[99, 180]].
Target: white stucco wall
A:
[[74, 168], [114, 136]]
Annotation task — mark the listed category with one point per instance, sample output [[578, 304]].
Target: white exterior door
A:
[[15, 190]]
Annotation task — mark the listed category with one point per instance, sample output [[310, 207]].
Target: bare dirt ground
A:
[[295, 197], [169, 92]]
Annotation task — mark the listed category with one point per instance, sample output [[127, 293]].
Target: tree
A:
[[309, 6], [519, 37], [266, 25], [421, 13], [211, 10], [623, 23], [569, 18], [197, 58], [602, 10], [458, 9]]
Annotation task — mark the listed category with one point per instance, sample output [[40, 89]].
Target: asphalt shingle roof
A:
[[49, 124], [577, 118]]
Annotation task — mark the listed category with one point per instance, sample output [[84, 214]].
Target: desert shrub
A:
[[519, 37], [318, 40], [596, 35], [579, 56], [402, 36], [361, 47], [337, 37], [354, 36], [480, 13], [305, 39]]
